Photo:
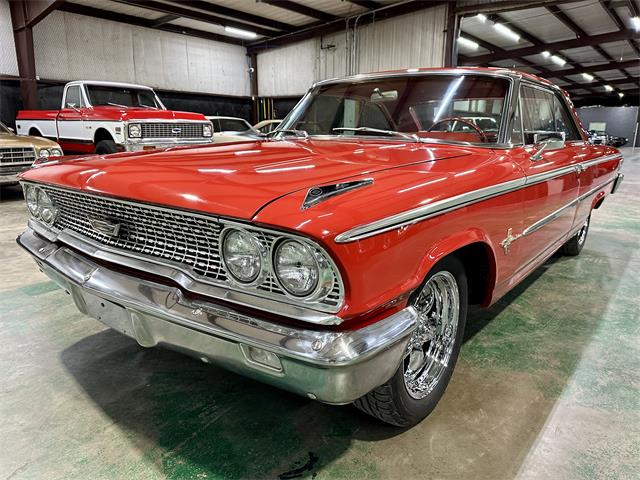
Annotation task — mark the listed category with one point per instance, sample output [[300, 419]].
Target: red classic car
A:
[[107, 117], [337, 258]]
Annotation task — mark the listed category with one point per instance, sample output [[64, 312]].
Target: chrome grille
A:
[[174, 237], [17, 155], [171, 130]]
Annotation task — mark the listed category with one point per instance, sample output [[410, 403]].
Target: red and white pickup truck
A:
[[107, 117]]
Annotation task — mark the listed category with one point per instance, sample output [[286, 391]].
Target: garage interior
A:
[[548, 380]]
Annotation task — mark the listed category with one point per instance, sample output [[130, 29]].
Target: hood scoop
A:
[[316, 195]]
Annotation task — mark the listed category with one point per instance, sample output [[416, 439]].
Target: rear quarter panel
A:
[[44, 121]]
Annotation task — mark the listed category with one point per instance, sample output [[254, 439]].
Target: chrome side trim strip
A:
[[449, 204], [422, 213]]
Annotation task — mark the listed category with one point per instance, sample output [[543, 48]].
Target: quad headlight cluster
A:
[[299, 268], [40, 204], [45, 153]]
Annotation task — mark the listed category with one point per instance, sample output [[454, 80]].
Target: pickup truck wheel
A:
[[422, 377], [574, 246], [104, 147]]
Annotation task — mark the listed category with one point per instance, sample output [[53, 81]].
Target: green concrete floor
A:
[[546, 386]]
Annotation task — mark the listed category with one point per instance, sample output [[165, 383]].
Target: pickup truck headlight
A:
[[296, 268], [242, 255], [207, 131], [44, 153], [135, 131]]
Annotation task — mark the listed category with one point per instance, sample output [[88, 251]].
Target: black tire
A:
[[391, 402], [574, 245], [105, 147]]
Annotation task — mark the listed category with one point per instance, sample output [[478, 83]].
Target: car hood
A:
[[137, 113], [238, 179], [13, 140]]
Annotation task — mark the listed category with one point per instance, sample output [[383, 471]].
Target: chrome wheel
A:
[[582, 234], [429, 349]]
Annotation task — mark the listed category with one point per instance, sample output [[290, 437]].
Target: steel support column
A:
[[452, 33], [253, 76]]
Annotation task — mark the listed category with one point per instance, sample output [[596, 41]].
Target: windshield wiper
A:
[[297, 133], [395, 133], [116, 105], [148, 106]]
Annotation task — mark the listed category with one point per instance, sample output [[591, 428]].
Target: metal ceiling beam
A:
[[626, 92], [31, 12], [144, 22], [340, 24], [171, 9], [619, 81], [368, 4], [573, 26], [598, 68], [301, 9], [233, 13], [162, 20], [507, 6], [554, 47], [608, 7]]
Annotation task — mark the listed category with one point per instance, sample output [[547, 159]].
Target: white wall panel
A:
[[408, 41], [8, 62], [70, 47]]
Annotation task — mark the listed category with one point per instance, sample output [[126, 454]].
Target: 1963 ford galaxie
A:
[[337, 258]]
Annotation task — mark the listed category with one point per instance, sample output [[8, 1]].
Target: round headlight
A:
[[44, 153], [47, 210], [134, 130], [56, 152], [242, 256], [31, 196], [296, 268]]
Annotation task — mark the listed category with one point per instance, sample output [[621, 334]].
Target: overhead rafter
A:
[[144, 22], [301, 9], [608, 7], [553, 47], [339, 24], [231, 12], [171, 9], [162, 20], [368, 4], [573, 26], [506, 6], [603, 67], [618, 81]]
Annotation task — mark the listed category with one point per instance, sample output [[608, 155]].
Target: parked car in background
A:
[[17, 153], [615, 141], [232, 129], [107, 117], [598, 137], [267, 126], [337, 259]]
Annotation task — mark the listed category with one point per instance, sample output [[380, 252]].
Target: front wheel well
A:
[[479, 264], [102, 134]]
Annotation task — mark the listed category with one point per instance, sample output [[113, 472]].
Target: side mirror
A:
[[546, 142]]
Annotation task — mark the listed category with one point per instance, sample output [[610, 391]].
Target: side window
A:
[[73, 99], [538, 107], [564, 120]]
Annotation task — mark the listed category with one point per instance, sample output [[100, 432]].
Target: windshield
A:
[[122, 97], [457, 108]]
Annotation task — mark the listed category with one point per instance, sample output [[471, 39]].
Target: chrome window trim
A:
[[307, 307], [419, 214]]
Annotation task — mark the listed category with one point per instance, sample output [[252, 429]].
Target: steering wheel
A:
[[478, 130]]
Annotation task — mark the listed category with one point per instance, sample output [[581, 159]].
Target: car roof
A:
[[108, 84]]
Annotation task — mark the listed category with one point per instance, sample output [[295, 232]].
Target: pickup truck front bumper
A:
[[149, 144], [331, 366]]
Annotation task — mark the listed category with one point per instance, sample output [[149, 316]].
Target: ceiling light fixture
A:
[[587, 77], [468, 43], [240, 33], [620, 94], [506, 32], [546, 54], [481, 17], [635, 21], [558, 60], [608, 88]]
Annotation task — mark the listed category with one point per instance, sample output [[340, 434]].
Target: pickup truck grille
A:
[[176, 238], [171, 130], [17, 155]]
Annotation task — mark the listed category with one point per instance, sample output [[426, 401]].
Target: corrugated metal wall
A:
[[8, 62], [69, 46], [408, 41]]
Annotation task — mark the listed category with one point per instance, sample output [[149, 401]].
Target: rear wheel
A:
[[574, 246], [104, 147], [422, 377]]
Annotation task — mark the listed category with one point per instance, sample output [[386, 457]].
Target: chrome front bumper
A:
[[138, 145], [333, 367]]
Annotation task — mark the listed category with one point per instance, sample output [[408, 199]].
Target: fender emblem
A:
[[506, 243], [105, 227]]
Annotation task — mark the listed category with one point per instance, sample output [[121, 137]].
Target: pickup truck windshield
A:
[[121, 97], [456, 108]]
